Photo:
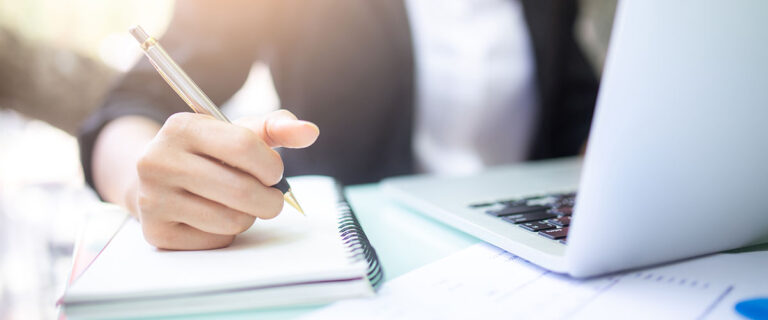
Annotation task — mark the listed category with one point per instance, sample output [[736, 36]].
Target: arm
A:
[[193, 182], [115, 154]]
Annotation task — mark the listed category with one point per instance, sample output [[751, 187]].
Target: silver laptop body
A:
[[677, 160]]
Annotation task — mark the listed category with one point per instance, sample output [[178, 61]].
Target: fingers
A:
[[281, 129], [202, 181], [179, 236], [209, 216], [236, 146], [226, 186], [157, 208], [178, 220]]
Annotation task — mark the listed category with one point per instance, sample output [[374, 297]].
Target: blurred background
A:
[[58, 59]]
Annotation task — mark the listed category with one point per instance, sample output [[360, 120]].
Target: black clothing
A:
[[346, 65]]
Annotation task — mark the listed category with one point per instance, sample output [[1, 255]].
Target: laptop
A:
[[677, 160]]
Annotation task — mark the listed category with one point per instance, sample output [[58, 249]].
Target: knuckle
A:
[[153, 203], [146, 202], [151, 166], [178, 122], [147, 163], [230, 223], [144, 166], [158, 235], [160, 161], [240, 222]]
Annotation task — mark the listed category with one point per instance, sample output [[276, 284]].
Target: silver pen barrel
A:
[[175, 76], [191, 93]]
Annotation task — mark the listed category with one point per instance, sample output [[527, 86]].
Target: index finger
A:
[[233, 145]]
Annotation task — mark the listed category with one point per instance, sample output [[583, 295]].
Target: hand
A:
[[202, 181]]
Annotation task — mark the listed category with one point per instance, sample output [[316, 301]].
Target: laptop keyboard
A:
[[547, 215]]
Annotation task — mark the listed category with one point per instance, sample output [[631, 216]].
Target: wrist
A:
[[130, 198]]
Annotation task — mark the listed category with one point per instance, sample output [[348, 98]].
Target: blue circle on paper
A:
[[753, 308]]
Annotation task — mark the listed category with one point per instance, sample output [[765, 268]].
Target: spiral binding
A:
[[354, 238]]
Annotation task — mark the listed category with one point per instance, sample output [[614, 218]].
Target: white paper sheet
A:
[[484, 282], [288, 249]]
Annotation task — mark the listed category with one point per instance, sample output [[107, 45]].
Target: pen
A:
[[191, 93]]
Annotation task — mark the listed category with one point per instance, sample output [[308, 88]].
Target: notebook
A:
[[289, 260]]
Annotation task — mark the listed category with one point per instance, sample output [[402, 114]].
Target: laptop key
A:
[[555, 234], [536, 226], [562, 211], [560, 222], [512, 202], [522, 201], [528, 217], [508, 211]]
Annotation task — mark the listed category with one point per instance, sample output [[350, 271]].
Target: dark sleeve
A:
[[578, 95], [213, 41]]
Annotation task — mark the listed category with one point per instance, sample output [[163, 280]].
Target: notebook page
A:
[[484, 282], [288, 249]]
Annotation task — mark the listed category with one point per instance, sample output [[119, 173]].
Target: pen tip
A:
[[288, 196]]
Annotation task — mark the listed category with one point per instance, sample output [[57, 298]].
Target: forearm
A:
[[116, 151]]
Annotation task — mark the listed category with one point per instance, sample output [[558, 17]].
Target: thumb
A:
[[281, 129]]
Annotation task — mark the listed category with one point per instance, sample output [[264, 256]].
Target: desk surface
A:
[[404, 241]]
